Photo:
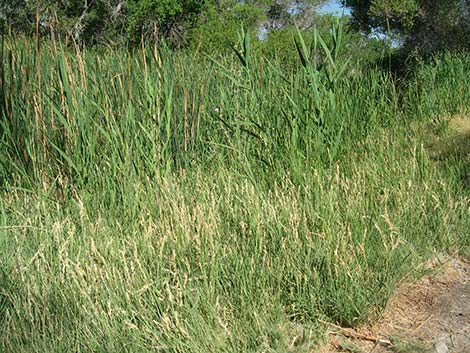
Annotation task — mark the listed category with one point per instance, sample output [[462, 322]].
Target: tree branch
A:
[[77, 26]]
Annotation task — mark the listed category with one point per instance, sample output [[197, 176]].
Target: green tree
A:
[[87, 20], [104, 20], [218, 29], [424, 25], [278, 14], [168, 18], [10, 13]]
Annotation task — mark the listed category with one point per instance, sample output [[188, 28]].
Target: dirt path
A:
[[431, 315]]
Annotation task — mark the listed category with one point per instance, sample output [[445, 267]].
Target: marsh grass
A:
[[156, 202]]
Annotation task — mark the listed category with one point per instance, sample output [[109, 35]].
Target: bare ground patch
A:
[[430, 315]]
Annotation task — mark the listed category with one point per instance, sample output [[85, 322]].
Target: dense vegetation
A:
[[420, 26], [154, 199]]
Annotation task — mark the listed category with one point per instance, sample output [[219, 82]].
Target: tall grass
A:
[[76, 113], [153, 201]]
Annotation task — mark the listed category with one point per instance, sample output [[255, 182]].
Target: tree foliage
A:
[[425, 25], [103, 20], [114, 20], [169, 17]]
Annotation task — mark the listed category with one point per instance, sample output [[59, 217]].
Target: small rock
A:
[[441, 347]]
